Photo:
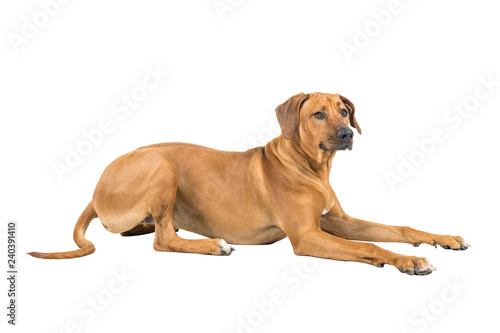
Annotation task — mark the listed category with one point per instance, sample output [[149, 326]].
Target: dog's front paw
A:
[[456, 243], [414, 265], [224, 248]]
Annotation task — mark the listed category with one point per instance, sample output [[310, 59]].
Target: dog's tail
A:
[[86, 246]]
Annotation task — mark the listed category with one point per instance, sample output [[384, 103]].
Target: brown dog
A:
[[259, 196]]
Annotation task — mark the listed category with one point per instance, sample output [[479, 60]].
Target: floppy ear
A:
[[352, 118], [288, 114]]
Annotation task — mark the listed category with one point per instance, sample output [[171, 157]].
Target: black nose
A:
[[345, 134]]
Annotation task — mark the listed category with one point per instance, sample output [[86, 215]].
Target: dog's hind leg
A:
[[161, 203]]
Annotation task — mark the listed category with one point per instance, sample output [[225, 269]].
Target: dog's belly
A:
[[233, 227]]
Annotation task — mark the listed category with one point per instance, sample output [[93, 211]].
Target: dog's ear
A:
[[288, 114], [350, 108]]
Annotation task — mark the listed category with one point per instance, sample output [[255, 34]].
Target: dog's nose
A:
[[345, 134]]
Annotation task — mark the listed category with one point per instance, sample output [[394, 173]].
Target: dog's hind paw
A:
[[225, 248]]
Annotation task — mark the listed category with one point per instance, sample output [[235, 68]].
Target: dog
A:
[[258, 196]]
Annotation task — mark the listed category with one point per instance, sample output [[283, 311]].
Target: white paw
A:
[[225, 248]]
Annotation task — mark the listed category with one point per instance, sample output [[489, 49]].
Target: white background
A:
[[226, 76]]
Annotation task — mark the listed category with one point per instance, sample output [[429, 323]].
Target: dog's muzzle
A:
[[342, 141]]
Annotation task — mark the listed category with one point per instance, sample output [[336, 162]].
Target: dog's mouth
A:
[[332, 146]]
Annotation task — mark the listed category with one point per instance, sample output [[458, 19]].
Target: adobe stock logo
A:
[[265, 135], [427, 314], [292, 279], [31, 27], [121, 106], [364, 36], [453, 118], [90, 309], [222, 7]]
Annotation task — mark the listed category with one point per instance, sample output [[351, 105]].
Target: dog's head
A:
[[318, 119]]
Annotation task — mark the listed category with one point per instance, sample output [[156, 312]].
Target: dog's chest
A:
[[329, 197], [327, 210]]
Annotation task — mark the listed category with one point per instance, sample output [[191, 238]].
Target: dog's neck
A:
[[318, 160], [312, 165]]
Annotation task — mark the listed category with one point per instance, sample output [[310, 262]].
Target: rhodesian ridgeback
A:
[[259, 196]]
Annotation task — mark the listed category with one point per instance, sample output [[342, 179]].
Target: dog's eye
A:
[[343, 112], [319, 115]]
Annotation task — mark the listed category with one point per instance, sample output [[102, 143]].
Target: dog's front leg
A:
[[342, 225], [317, 243]]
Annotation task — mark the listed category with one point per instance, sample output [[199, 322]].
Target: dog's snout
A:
[[345, 134]]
